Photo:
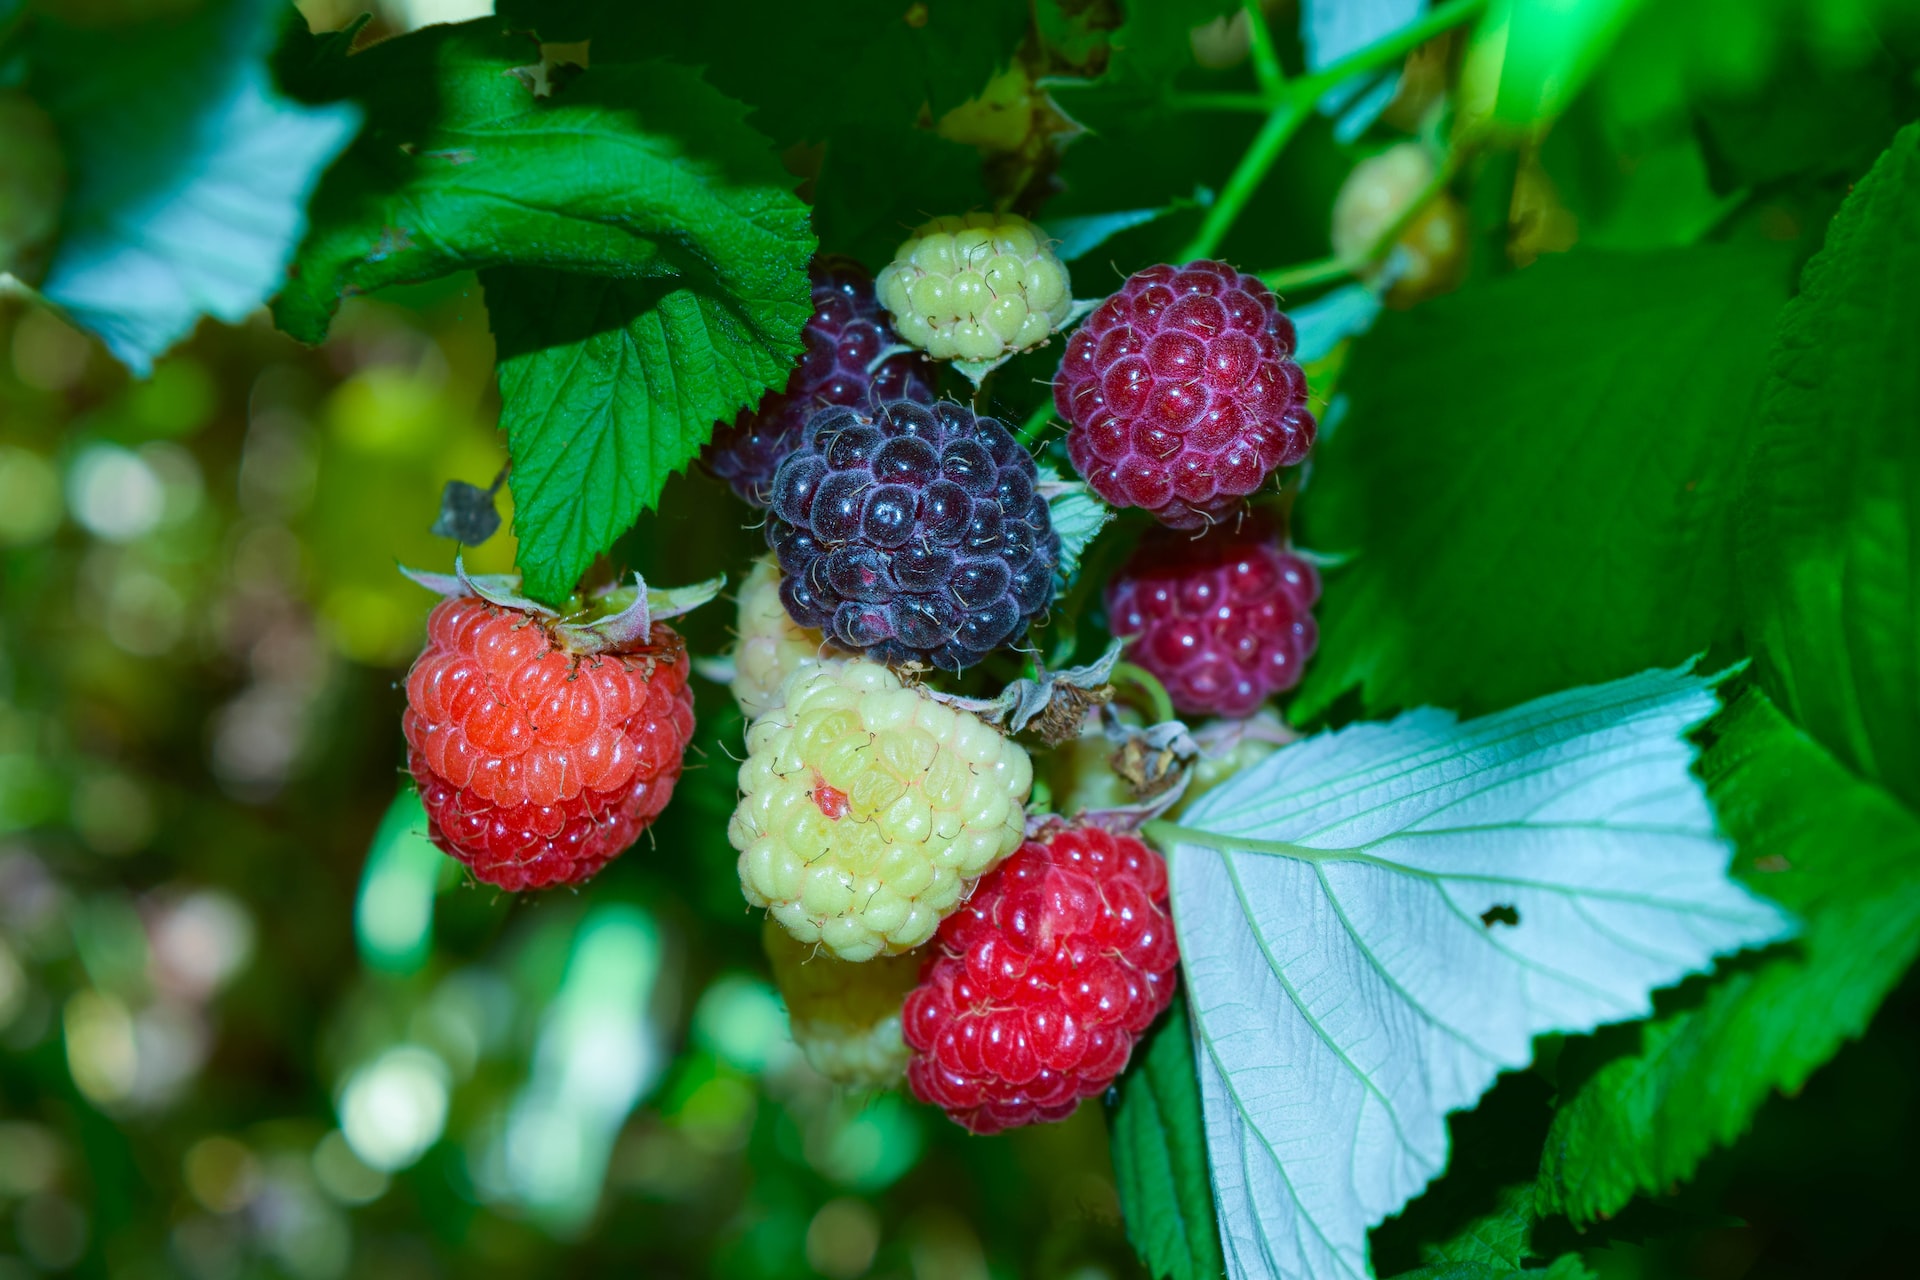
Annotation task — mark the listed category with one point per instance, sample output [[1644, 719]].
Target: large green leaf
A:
[[1160, 1158], [607, 388], [1536, 479], [1830, 535], [190, 172], [1839, 852], [643, 255], [635, 170]]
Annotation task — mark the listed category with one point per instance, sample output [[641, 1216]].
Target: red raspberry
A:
[[538, 766], [1037, 989], [1221, 620], [1181, 394]]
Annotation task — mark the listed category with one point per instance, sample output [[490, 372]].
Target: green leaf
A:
[[1830, 536], [1839, 852], [190, 173], [1077, 517], [633, 170], [644, 259], [608, 387], [1160, 1158], [1498, 1238], [1536, 479]]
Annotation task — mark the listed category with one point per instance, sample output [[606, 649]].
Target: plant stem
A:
[[1125, 673], [1282, 122], [1266, 60], [1036, 424], [1305, 274], [1288, 106]]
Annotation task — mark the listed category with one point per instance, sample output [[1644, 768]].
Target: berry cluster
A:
[[1222, 620], [913, 535], [842, 340], [1181, 393], [1040, 985], [537, 766], [868, 808]]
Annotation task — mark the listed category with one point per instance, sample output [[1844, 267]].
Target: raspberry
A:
[[1221, 620], [1430, 252], [845, 1016], [1181, 394], [1040, 985], [913, 535], [842, 339], [537, 766], [770, 646], [976, 287], [868, 809]]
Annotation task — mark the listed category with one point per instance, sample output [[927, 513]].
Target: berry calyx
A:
[[868, 809], [975, 287], [914, 535], [769, 645], [846, 333], [1222, 621], [844, 1016], [1039, 987], [1181, 394], [537, 766]]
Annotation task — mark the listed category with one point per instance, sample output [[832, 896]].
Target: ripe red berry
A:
[[1037, 989], [1221, 620], [537, 766], [1181, 394]]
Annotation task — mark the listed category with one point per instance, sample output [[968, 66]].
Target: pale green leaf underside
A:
[[1348, 993]]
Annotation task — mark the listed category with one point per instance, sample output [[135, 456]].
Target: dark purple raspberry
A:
[[847, 331], [1181, 393], [911, 533], [1221, 620]]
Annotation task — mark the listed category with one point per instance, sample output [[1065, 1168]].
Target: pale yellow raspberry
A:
[[769, 645], [868, 809], [845, 1016], [975, 287], [1430, 250]]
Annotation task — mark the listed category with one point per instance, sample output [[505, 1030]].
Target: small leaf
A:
[[608, 388], [1347, 994], [1078, 517], [1160, 1157], [1830, 540], [1841, 853], [1075, 238], [190, 173]]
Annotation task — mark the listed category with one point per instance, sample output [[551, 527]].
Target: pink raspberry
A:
[[1221, 620], [1181, 394], [1038, 988]]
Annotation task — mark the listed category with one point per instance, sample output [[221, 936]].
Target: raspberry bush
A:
[[1213, 505]]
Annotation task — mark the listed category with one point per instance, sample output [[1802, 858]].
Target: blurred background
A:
[[253, 1024]]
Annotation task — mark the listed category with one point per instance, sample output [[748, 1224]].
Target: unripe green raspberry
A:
[[868, 809], [769, 645], [845, 1017], [975, 287]]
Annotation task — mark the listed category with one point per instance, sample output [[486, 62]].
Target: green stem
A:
[[1266, 60], [1037, 423], [1282, 122], [1138, 678], [1306, 274], [1288, 107]]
